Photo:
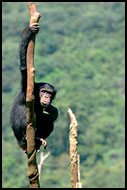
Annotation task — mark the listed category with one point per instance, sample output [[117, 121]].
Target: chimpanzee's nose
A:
[[45, 95]]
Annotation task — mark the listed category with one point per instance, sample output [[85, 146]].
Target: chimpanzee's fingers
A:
[[44, 143], [35, 25]]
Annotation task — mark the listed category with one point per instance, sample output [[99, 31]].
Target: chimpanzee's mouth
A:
[[44, 103]]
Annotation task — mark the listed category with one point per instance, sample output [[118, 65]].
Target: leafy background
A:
[[80, 49]]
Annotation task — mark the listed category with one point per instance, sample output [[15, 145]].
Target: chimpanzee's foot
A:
[[38, 150], [22, 146]]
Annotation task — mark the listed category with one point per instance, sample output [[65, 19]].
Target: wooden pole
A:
[[74, 157], [30, 131]]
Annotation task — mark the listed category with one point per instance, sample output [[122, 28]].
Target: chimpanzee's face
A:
[[45, 97]]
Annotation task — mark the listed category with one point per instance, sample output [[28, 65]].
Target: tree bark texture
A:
[[30, 131], [74, 157]]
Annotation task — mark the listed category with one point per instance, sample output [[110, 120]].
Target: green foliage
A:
[[80, 50], [103, 177]]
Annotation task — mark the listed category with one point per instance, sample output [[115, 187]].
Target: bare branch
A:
[[42, 159]]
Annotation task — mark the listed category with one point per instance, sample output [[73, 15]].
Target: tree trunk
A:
[[31, 150]]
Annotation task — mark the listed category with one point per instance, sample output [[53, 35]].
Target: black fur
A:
[[44, 122]]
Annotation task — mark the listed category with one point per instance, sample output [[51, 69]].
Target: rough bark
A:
[[31, 150], [74, 157]]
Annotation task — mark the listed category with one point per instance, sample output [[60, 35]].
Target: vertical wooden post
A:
[[31, 150], [74, 157]]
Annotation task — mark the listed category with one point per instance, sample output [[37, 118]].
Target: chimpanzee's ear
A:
[[54, 93]]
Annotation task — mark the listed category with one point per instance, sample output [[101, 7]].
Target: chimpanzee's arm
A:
[[27, 33], [53, 112]]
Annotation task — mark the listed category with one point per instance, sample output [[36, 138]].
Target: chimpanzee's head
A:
[[47, 94]]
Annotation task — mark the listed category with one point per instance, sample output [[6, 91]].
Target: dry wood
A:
[[78, 184], [31, 150], [42, 159], [74, 157]]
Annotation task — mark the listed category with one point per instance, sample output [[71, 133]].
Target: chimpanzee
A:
[[45, 113]]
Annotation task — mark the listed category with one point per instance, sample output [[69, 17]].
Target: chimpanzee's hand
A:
[[44, 143], [34, 27]]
